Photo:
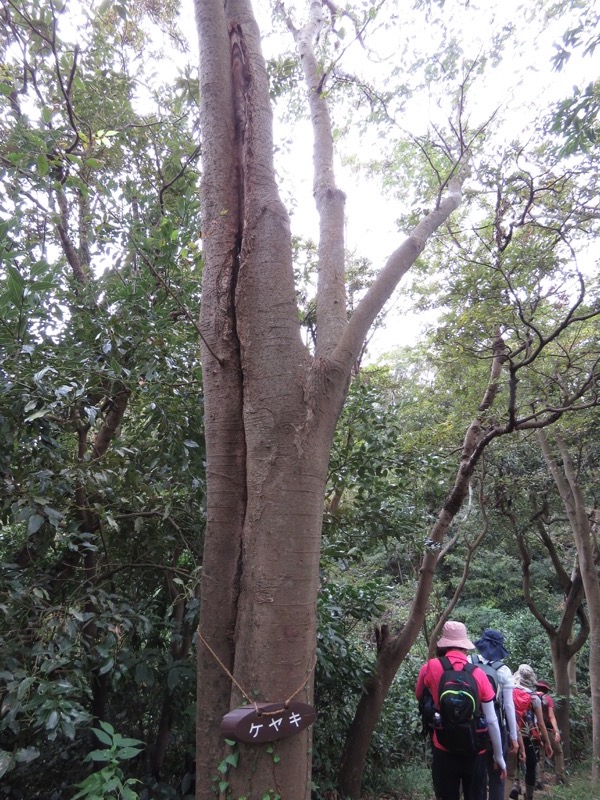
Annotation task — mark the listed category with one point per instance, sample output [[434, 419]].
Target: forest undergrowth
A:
[[579, 787]]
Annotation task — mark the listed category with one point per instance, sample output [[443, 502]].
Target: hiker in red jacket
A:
[[454, 765], [530, 721]]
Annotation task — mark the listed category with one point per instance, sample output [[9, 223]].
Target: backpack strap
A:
[[447, 664]]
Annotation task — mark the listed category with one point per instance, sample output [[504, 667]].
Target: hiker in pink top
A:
[[459, 737]]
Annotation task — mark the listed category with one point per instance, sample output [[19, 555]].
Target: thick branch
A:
[[69, 248], [112, 421], [396, 267], [330, 201], [472, 548]]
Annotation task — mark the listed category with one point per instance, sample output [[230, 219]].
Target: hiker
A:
[[491, 650], [543, 691], [530, 722], [464, 717]]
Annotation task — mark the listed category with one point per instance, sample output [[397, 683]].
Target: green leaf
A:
[[7, 762], [106, 667], [43, 167], [24, 687], [37, 414], [34, 523], [143, 674], [14, 283], [104, 737], [101, 755], [127, 742], [125, 753], [106, 726], [52, 721], [26, 754], [39, 375], [173, 678]]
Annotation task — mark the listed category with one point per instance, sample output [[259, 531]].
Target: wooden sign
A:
[[270, 722]]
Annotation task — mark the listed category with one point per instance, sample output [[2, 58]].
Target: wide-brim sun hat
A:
[[542, 686], [525, 678], [454, 634], [491, 645]]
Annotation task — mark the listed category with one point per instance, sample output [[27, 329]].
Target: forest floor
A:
[[547, 792]]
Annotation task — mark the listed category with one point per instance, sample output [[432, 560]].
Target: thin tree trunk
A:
[[563, 646], [393, 649], [573, 500]]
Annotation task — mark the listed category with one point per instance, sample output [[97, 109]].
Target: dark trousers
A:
[[451, 773], [492, 786], [530, 766], [514, 768]]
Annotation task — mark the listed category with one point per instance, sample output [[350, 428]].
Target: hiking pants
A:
[[491, 781], [450, 772], [515, 769], [530, 766], [492, 787], [559, 759]]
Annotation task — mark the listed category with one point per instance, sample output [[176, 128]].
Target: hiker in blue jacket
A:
[[491, 652]]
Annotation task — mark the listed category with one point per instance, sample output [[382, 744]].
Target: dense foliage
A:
[[101, 448], [101, 416]]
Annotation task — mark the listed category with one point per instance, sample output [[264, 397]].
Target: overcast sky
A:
[[522, 86]]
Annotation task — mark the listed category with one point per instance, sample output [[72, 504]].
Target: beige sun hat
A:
[[454, 634], [525, 677]]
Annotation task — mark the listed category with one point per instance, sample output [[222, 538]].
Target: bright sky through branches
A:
[[512, 40]]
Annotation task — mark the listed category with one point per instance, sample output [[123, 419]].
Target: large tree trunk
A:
[[573, 500], [271, 406]]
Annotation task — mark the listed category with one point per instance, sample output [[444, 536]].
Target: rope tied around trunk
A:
[[244, 693]]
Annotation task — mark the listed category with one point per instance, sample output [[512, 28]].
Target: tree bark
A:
[[572, 496], [271, 406], [563, 645]]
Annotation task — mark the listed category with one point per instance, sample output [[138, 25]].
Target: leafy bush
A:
[[109, 781]]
